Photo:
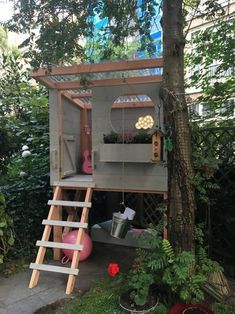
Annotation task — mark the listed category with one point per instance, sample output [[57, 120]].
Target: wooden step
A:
[[75, 184], [55, 269], [59, 245], [69, 203], [70, 224]]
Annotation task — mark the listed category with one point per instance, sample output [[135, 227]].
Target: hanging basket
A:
[[120, 226]]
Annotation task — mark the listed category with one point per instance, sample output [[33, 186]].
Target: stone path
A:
[[17, 298]]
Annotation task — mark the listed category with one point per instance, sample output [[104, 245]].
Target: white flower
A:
[[25, 147], [26, 153], [23, 174]]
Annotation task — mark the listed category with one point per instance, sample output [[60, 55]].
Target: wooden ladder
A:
[[54, 221]]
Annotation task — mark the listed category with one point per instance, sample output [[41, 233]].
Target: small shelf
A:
[[126, 153]]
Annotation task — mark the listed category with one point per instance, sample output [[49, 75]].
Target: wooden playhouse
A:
[[117, 102]]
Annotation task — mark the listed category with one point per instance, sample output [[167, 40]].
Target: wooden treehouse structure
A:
[[116, 101]]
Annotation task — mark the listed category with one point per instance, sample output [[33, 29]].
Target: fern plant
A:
[[183, 273]]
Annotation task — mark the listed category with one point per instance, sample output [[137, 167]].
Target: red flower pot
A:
[[181, 308]]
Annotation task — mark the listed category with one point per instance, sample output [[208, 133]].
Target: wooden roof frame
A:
[[45, 76]]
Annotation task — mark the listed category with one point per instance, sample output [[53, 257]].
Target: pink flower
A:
[[113, 269]]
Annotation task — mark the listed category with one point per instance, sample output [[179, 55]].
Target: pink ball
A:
[[86, 242]]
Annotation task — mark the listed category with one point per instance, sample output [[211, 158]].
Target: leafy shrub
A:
[[24, 181], [181, 273], [27, 198], [6, 234]]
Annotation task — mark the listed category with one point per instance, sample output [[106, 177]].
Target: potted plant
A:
[[186, 274], [142, 137], [141, 294], [112, 138], [181, 274]]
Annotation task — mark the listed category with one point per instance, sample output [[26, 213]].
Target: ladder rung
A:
[[70, 224], [59, 245], [69, 203], [55, 269], [77, 184]]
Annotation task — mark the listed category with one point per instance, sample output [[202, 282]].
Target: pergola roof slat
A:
[[109, 82], [98, 67]]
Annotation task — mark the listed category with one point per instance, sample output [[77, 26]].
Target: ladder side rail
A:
[[76, 254], [45, 237]]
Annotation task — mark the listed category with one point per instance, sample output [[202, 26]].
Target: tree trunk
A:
[[181, 196]]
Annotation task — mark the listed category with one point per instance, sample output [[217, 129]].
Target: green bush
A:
[[27, 198], [24, 181], [6, 233]]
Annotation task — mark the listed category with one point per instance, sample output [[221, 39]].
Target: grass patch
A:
[[102, 298], [10, 267]]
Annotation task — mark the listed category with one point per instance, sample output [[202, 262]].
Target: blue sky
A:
[[5, 10]]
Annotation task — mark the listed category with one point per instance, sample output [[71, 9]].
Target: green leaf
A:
[[168, 144], [11, 240], [3, 224]]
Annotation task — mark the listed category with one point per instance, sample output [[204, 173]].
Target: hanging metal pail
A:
[[120, 226]]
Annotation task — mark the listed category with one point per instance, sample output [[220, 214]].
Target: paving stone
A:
[[17, 298]]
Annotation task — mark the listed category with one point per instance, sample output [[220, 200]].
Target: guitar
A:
[[86, 163]]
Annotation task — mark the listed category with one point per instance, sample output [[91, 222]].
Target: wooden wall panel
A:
[[134, 176], [54, 145], [130, 118]]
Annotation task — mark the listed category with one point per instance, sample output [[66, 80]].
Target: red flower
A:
[[113, 269]]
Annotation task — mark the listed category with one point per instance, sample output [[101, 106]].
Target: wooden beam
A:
[[110, 82], [133, 104], [46, 81], [89, 94], [76, 102], [99, 67], [82, 95]]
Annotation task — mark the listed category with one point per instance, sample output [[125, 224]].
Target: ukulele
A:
[[86, 163], [86, 167]]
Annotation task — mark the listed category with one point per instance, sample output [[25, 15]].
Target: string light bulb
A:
[[145, 122]]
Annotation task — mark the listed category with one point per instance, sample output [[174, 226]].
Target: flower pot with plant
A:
[[185, 274], [141, 294], [181, 274], [126, 148]]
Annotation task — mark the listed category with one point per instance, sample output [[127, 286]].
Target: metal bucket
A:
[[120, 226]]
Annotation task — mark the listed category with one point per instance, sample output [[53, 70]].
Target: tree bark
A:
[[181, 195]]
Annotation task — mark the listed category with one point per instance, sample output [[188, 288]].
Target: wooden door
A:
[[68, 155]]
